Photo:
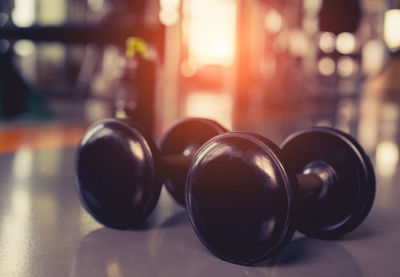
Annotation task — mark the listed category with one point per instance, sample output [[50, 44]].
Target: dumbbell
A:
[[245, 196], [120, 171]]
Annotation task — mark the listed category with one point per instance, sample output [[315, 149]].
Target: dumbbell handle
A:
[[316, 179], [310, 183], [176, 162]]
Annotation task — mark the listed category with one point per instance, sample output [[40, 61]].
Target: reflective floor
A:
[[44, 231]]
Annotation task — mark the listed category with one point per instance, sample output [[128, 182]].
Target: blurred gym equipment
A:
[[134, 94]]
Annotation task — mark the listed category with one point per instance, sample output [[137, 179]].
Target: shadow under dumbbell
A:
[[316, 255], [297, 251], [157, 220], [150, 223], [179, 218], [166, 214], [378, 223], [361, 233]]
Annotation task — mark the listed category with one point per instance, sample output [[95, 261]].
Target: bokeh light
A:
[[346, 43], [392, 29], [327, 42], [326, 66], [24, 12]]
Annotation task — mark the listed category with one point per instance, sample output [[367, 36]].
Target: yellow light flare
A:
[[135, 45], [210, 31]]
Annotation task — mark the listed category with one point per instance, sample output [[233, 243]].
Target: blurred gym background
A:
[[266, 66]]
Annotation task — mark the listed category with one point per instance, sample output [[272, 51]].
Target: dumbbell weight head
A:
[[184, 139], [240, 197], [244, 198], [120, 171], [349, 197]]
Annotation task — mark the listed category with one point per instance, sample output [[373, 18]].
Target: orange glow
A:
[[46, 137], [209, 30], [216, 106], [188, 69]]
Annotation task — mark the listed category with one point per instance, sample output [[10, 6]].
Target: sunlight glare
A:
[[210, 31]]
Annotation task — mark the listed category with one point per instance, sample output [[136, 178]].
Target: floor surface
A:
[[44, 231]]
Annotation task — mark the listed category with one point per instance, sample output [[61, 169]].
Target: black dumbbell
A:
[[120, 171], [245, 200]]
